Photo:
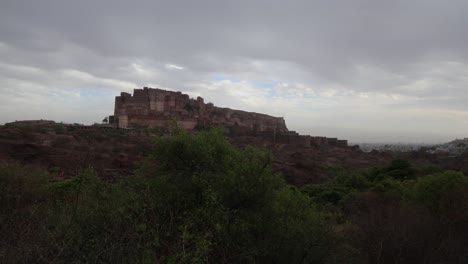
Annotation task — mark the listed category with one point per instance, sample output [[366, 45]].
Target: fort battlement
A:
[[157, 108]]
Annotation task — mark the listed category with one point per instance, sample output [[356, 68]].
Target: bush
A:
[[23, 210], [432, 191]]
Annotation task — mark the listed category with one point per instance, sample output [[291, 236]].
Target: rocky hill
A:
[[454, 148], [68, 148]]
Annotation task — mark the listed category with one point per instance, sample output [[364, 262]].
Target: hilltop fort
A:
[[157, 108]]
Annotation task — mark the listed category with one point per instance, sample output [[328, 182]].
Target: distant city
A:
[[453, 148]]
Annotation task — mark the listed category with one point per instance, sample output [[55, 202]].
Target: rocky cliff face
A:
[[156, 108]]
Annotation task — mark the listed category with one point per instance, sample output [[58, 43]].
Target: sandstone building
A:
[[157, 108]]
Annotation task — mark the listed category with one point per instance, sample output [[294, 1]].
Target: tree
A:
[[105, 120], [223, 205], [400, 169]]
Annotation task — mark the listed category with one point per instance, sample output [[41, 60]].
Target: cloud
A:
[[173, 67], [347, 68]]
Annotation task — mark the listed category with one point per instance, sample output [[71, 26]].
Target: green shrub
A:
[[23, 210], [21, 186], [431, 191]]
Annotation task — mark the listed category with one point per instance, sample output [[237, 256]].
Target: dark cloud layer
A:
[[329, 55]]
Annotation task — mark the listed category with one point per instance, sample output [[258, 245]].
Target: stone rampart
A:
[[157, 108], [151, 108]]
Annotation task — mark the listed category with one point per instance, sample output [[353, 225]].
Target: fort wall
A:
[[150, 107], [157, 108]]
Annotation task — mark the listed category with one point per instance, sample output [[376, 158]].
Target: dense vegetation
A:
[[197, 199]]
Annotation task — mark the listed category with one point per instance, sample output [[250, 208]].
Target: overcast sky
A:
[[363, 70]]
